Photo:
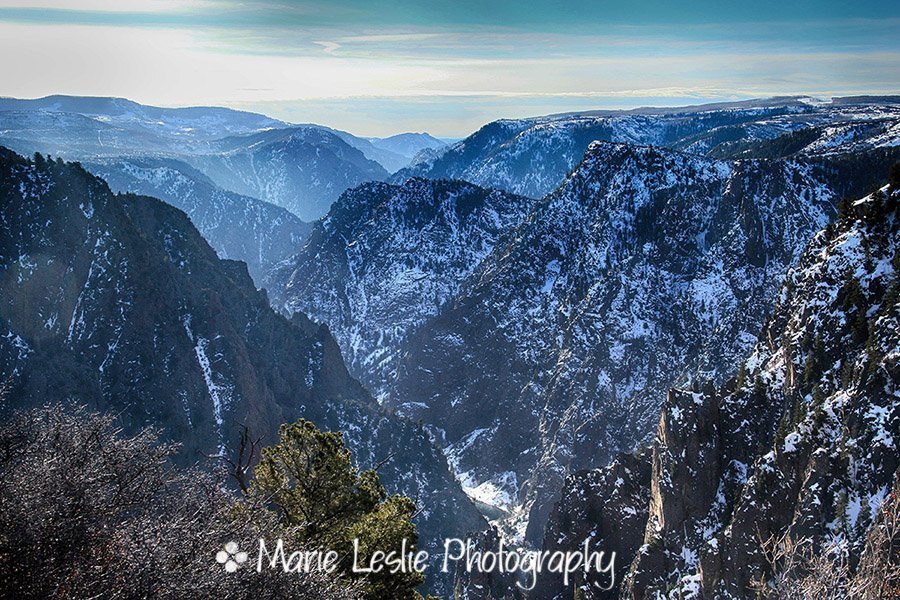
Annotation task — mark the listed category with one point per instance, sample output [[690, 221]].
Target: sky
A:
[[376, 68]]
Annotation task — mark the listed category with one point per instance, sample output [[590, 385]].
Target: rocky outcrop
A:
[[801, 445], [606, 507]]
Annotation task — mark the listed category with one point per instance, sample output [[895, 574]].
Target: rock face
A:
[[802, 443], [388, 257], [647, 268], [237, 227], [607, 507], [805, 441], [538, 338], [118, 303], [533, 156]]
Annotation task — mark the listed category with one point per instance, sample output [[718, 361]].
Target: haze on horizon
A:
[[447, 67]]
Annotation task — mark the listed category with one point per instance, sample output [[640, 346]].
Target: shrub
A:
[[88, 512]]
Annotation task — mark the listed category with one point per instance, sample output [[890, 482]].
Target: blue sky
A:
[[376, 67]]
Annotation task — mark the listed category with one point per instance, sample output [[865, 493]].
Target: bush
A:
[[87, 512]]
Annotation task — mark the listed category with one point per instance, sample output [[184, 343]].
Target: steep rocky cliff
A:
[[118, 303], [608, 507], [386, 258], [646, 269], [237, 227], [804, 441], [801, 445]]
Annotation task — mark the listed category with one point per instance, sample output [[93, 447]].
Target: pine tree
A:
[[851, 294], [818, 410], [759, 391], [815, 362], [741, 380], [309, 477], [860, 326], [894, 176], [840, 510], [846, 373], [843, 210], [784, 426]]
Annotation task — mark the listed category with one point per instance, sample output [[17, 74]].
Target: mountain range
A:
[[236, 163], [670, 332], [533, 156], [538, 337]]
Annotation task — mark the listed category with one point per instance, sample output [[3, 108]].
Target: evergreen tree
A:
[[818, 411], [784, 427], [851, 294], [741, 377], [309, 477], [894, 176], [860, 326], [815, 362], [759, 391]]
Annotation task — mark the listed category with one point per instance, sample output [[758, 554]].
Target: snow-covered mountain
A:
[[552, 349], [237, 227], [388, 257], [647, 268], [533, 156], [193, 123], [303, 168], [117, 302], [800, 446], [407, 146]]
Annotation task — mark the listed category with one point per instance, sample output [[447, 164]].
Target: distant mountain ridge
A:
[[303, 168], [238, 227], [533, 156], [206, 122]]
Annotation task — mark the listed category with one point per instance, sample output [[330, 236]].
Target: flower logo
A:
[[231, 557]]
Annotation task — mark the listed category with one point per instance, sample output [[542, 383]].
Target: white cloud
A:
[[328, 47], [170, 67]]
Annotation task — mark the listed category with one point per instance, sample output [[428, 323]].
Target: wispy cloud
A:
[[509, 58], [328, 47]]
